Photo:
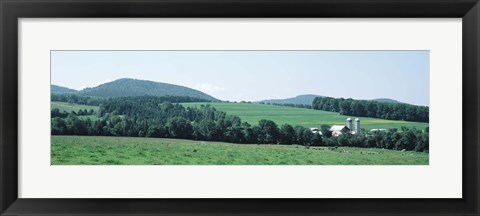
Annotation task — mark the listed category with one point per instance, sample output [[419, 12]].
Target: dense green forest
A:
[[75, 99], [163, 117], [96, 101], [373, 109]]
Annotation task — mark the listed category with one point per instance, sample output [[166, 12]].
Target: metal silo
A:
[[357, 126], [349, 124]]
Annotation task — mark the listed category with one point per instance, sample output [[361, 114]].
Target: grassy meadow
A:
[[91, 150], [252, 113], [69, 107]]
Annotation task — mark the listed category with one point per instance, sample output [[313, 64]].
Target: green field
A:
[[252, 113], [89, 150], [69, 107]]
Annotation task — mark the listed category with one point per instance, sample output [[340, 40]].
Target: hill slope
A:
[[252, 113], [133, 87], [61, 90], [306, 99]]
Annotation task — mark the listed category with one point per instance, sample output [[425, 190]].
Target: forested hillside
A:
[[133, 87]]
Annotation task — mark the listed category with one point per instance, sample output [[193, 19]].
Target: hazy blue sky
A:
[[257, 75]]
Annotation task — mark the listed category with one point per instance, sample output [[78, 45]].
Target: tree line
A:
[[154, 117], [73, 98], [409, 139], [373, 109], [305, 106], [57, 113], [97, 101]]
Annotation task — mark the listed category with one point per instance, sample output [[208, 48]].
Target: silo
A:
[[357, 126], [349, 124]]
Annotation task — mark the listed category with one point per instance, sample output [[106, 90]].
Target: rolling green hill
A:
[[133, 87], [88, 150], [252, 113]]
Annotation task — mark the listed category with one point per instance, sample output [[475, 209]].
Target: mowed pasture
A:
[[69, 107], [252, 113], [90, 150]]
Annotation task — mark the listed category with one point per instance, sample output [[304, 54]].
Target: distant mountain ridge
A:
[[305, 99], [127, 87], [386, 100], [62, 90]]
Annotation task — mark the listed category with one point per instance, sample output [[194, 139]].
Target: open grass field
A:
[[252, 113], [89, 150], [69, 107]]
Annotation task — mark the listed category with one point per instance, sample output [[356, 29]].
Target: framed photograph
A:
[[239, 107]]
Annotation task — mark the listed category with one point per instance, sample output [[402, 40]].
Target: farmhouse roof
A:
[[337, 127]]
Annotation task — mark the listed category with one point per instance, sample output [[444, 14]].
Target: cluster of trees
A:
[[373, 109], [154, 117], [409, 139], [56, 113], [97, 101]]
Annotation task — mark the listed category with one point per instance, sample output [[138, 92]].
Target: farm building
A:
[[337, 130]]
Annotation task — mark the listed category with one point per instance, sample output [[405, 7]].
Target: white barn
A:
[[337, 130]]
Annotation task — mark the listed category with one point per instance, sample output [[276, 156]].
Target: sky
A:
[[256, 75]]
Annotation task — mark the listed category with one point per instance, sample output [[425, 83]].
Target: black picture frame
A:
[[12, 10]]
